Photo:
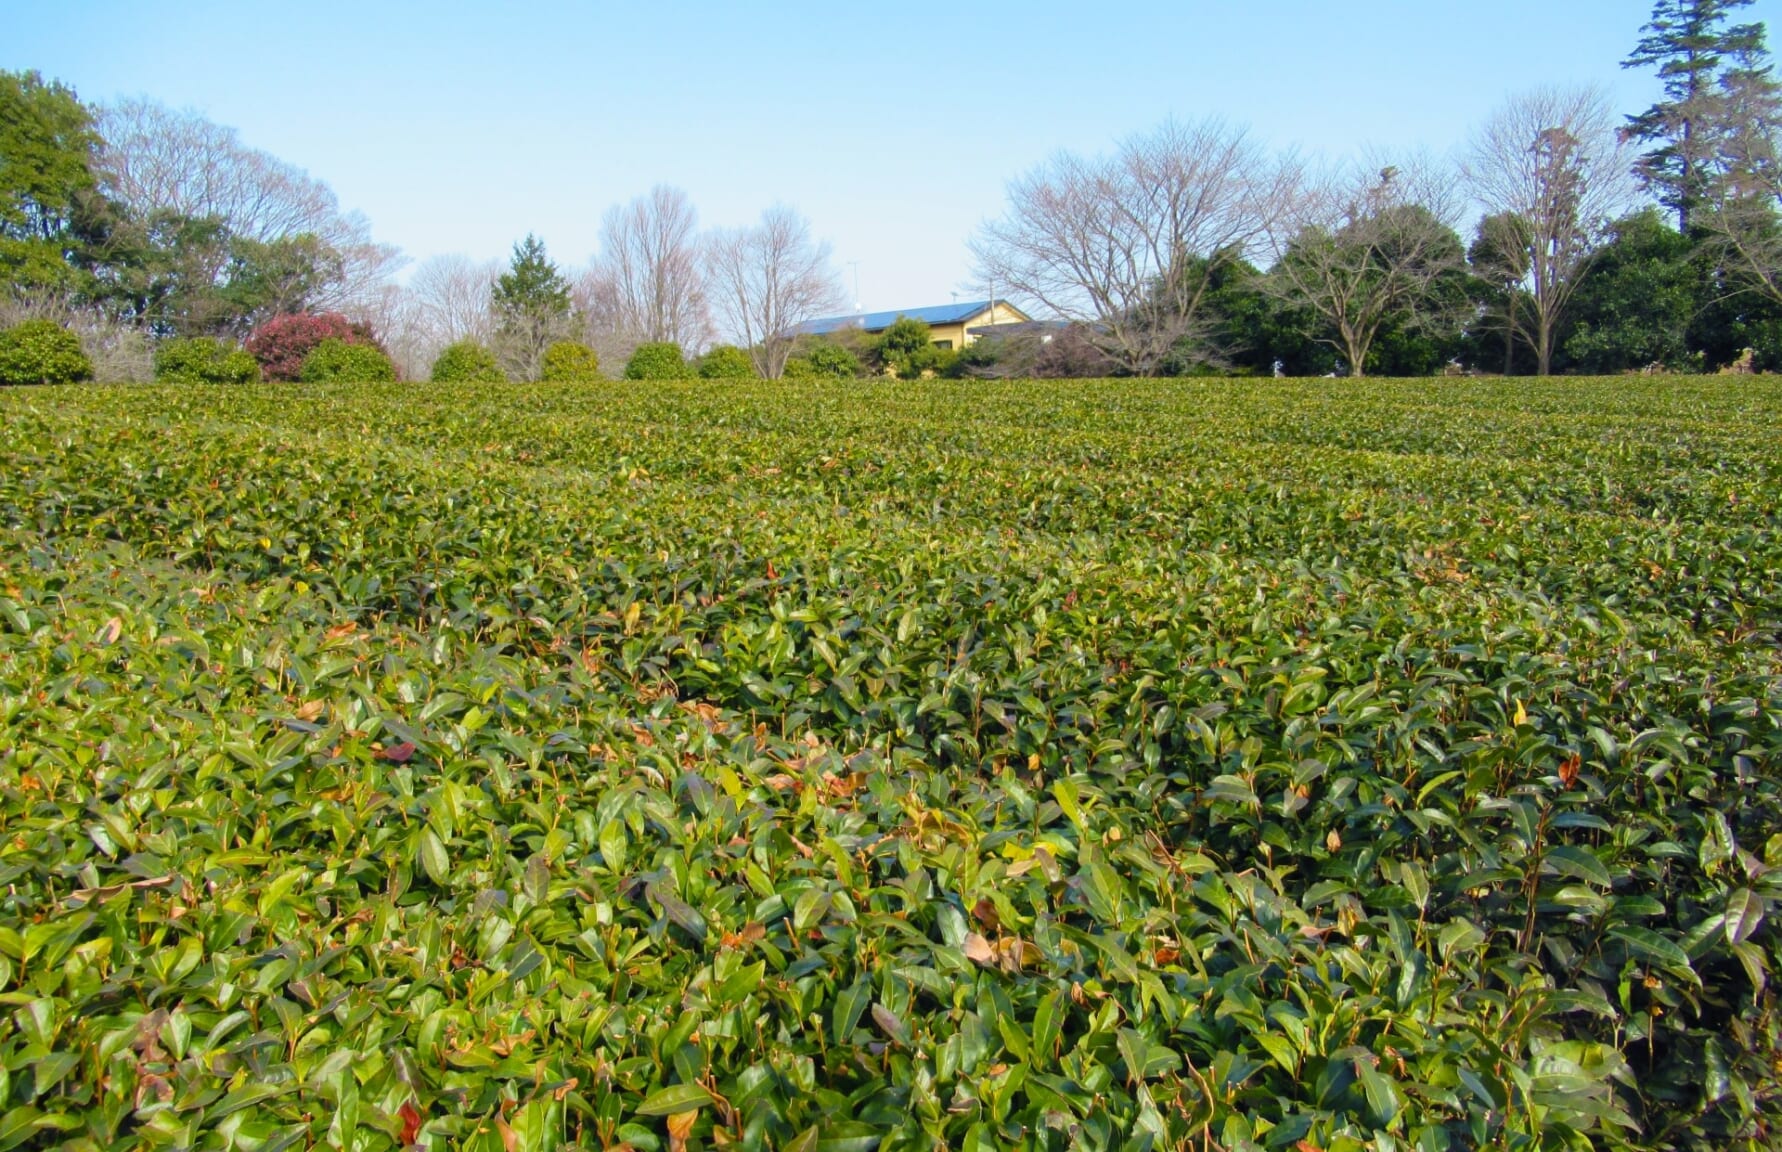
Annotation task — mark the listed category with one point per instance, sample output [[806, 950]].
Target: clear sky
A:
[[459, 127]]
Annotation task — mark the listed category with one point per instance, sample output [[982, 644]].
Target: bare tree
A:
[[769, 279], [1129, 244], [446, 299], [1039, 350], [646, 284], [452, 293], [1500, 258], [1372, 248], [160, 161], [395, 313], [1554, 160], [596, 327]]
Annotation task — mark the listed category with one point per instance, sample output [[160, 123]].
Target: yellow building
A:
[[950, 324]]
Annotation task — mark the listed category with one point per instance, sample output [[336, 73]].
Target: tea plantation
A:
[[1318, 766]]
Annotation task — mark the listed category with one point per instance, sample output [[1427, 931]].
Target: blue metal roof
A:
[[879, 321]]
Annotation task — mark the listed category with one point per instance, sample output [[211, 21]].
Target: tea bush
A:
[[726, 362], [1114, 764], [660, 361], [337, 361], [42, 352], [567, 362], [466, 362], [202, 360]]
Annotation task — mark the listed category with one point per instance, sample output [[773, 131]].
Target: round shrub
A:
[[467, 362], [567, 362], [726, 362], [42, 352], [283, 343], [337, 362], [656, 362], [834, 361], [824, 362], [201, 360]]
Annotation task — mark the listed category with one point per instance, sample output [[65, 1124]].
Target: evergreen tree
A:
[[48, 194], [532, 309], [1688, 42], [1636, 306]]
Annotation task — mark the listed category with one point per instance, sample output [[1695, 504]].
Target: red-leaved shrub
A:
[[282, 343]]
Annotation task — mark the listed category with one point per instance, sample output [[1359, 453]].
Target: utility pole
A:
[[855, 265]]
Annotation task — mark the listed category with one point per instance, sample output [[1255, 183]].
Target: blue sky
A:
[[459, 127]]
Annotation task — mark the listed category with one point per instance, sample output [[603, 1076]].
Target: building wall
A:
[[955, 335]]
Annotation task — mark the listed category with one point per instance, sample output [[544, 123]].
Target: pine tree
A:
[[532, 309], [1743, 214], [1687, 41], [1750, 105]]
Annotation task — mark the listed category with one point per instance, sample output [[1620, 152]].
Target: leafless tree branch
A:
[[1554, 160], [1128, 244], [767, 280]]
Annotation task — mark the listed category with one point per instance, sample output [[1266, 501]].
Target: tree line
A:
[[1563, 238], [1190, 249]]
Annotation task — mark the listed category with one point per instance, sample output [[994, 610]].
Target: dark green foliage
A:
[[42, 352], [907, 350], [726, 362], [203, 360], [1343, 765], [1415, 349], [191, 276], [48, 198], [657, 361], [1635, 307], [267, 278], [1250, 327], [532, 307], [567, 362], [466, 362], [531, 285], [336, 361], [1734, 319]]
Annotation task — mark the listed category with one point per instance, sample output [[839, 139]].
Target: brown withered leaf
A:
[[399, 753], [680, 1126], [843, 786], [978, 949], [411, 1124], [745, 936]]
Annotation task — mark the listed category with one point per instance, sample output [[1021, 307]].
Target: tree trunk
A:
[[1356, 349], [1544, 346], [1510, 334]]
